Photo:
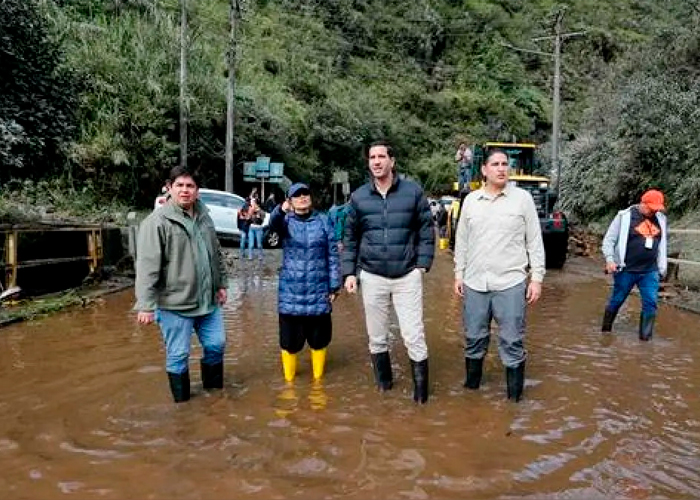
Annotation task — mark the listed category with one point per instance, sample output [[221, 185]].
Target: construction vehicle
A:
[[524, 167]]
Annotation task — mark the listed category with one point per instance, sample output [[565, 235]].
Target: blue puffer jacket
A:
[[310, 264]]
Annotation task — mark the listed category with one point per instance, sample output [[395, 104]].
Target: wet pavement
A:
[[85, 410]]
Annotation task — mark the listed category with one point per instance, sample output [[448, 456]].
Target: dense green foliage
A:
[[37, 95], [642, 128], [319, 79]]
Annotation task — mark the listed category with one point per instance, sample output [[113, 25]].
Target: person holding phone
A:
[[309, 280], [256, 218]]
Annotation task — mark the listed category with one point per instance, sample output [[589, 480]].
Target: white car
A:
[[223, 209]]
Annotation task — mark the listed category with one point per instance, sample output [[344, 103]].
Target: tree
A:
[[37, 94]]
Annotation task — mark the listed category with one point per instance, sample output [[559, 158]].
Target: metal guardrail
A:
[[12, 263], [684, 261]]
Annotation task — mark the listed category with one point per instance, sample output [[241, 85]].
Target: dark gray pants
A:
[[507, 307]]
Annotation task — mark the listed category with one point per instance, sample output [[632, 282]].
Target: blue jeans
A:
[[255, 235], [507, 307], [647, 283], [177, 329], [244, 236]]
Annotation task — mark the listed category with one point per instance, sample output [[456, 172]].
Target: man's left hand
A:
[[534, 291], [221, 296]]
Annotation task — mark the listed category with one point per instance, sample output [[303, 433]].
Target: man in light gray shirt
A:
[[498, 244]]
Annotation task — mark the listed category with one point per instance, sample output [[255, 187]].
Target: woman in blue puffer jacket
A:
[[309, 279]]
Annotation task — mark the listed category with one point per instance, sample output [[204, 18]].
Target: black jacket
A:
[[388, 236]]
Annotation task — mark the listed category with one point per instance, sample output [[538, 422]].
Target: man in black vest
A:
[[389, 244]]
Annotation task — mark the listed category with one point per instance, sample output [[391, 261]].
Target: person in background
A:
[[181, 283], [309, 280], [270, 203], [389, 245], [498, 246], [441, 220], [243, 221], [454, 213], [337, 216], [255, 230], [635, 250], [464, 157]]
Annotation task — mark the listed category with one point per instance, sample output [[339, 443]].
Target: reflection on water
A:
[[85, 407]]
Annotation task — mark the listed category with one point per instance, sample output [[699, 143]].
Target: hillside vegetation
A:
[[89, 106]]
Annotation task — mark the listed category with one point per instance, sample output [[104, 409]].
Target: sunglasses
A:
[[300, 193]]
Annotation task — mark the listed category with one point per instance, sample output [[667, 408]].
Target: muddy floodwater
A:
[[85, 410]]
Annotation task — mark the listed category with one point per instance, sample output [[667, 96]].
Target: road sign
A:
[[340, 177], [276, 172], [249, 171], [262, 163], [263, 169], [346, 188]]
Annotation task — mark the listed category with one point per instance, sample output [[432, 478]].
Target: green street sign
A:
[[263, 169], [249, 171], [276, 172]]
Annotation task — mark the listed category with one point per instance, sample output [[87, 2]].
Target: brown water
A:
[[85, 410]]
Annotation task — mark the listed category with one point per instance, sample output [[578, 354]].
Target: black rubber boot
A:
[[646, 326], [515, 381], [180, 386], [420, 381], [212, 375], [382, 371], [608, 319], [474, 368]]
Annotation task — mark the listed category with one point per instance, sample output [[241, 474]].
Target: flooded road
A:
[[85, 409]]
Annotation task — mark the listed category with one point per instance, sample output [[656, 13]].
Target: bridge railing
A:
[[684, 256], [11, 256]]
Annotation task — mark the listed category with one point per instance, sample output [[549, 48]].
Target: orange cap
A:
[[654, 199]]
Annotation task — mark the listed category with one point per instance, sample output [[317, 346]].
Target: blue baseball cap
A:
[[295, 188]]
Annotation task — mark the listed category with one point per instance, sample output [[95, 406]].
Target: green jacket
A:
[[165, 262]]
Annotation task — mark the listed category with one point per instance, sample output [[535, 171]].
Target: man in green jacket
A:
[[181, 283]]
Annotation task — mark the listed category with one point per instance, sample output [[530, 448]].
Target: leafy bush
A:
[[641, 132], [37, 94]]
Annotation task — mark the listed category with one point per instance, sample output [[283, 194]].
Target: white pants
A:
[[406, 293]]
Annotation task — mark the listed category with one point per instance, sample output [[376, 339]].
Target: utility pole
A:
[[555, 106], [184, 102], [231, 94]]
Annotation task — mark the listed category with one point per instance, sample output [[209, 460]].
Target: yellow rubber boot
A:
[[289, 365], [318, 362]]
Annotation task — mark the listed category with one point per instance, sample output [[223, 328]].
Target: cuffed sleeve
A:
[[149, 257], [533, 241], [461, 241], [610, 239], [662, 258], [277, 221]]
